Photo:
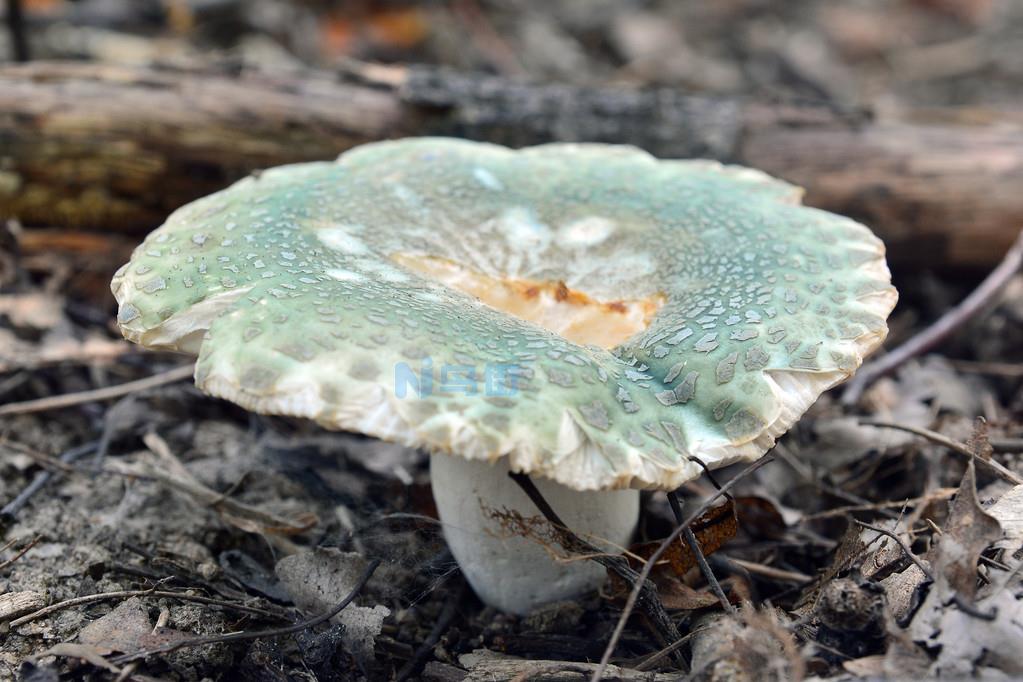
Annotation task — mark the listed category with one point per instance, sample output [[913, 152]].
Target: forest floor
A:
[[154, 517]]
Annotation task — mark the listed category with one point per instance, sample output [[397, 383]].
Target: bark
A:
[[117, 148]]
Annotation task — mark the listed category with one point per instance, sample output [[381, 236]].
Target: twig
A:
[[644, 590], [11, 509], [1003, 369], [44, 460], [964, 606], [771, 571], [807, 475], [247, 636], [106, 393], [22, 552], [76, 601], [701, 560], [426, 648], [710, 476], [934, 334], [940, 494], [630, 603], [151, 592], [953, 445], [654, 658], [16, 26], [175, 476]]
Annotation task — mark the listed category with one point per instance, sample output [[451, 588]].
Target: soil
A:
[[140, 513]]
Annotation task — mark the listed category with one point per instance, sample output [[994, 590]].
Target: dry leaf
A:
[[127, 629], [1008, 511], [968, 531], [317, 580], [82, 651], [712, 529]]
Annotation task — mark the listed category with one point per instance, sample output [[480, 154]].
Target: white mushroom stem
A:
[[514, 573]]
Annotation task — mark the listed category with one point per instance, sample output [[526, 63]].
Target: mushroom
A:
[[586, 314]]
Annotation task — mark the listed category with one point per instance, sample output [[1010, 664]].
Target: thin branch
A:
[[106, 393], [1011, 370], [771, 571], [151, 592], [248, 636], [11, 509], [654, 658], [953, 445], [807, 475], [941, 328], [964, 606], [643, 589], [1006, 444], [940, 494], [426, 648], [174, 475], [701, 560], [630, 603], [22, 552]]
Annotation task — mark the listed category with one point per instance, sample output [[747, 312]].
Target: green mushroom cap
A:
[[596, 315]]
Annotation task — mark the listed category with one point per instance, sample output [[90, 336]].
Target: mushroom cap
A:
[[321, 290]]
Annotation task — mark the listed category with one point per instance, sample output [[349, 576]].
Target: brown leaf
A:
[[967, 532], [759, 517], [712, 529], [119, 630]]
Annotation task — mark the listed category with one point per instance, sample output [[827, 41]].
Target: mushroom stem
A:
[[514, 573]]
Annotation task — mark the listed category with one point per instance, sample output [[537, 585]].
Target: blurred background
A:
[[904, 114], [882, 54]]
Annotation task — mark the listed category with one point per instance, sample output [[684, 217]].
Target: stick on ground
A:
[[644, 590], [95, 395], [953, 445], [630, 603], [701, 560], [246, 636]]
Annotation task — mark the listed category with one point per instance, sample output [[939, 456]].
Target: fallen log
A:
[[105, 147]]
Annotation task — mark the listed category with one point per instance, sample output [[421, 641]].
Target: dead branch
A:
[[630, 603], [174, 475], [95, 395], [22, 552], [644, 593], [701, 560], [10, 510], [261, 634], [127, 594], [117, 148], [953, 445]]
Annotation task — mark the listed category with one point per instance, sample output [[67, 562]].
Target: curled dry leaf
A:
[[712, 529], [968, 531], [174, 475], [127, 629]]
